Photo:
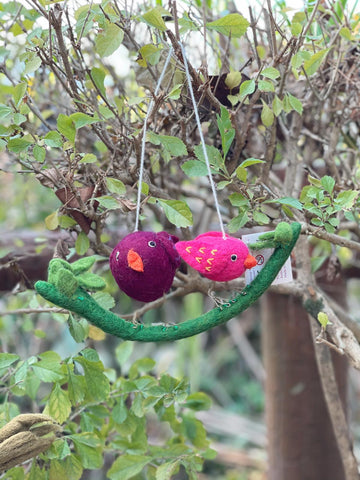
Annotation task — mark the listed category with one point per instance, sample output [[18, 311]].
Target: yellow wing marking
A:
[[213, 251], [208, 269], [209, 261], [202, 250], [188, 249], [198, 259]]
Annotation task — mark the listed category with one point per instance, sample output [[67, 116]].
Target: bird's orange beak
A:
[[135, 261], [250, 262]]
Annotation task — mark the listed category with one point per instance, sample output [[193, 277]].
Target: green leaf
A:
[[18, 145], [89, 158], [313, 63], [19, 93], [232, 80], [52, 221], [154, 19], [295, 28], [317, 262], [68, 468], [323, 319], [66, 222], [238, 199], [346, 33], [123, 352], [76, 387], [194, 168], [108, 202], [299, 57], [142, 365], [5, 111], [137, 406], [226, 129], [18, 119], [115, 186], [260, 218], [80, 119], [175, 146], [108, 40], [295, 103], [167, 470], [33, 64], [66, 127], [267, 116], [194, 430], [53, 139], [214, 156], [79, 329], [175, 92], [58, 406], [277, 106], [97, 384], [265, 86], [7, 359], [49, 368], [224, 183], [149, 54], [198, 401], [329, 228], [177, 212], [270, 72], [120, 411], [82, 244], [127, 466], [328, 183], [250, 161], [89, 448], [232, 24], [39, 153], [289, 201], [98, 77], [346, 199], [334, 221], [238, 222], [247, 88], [241, 174]]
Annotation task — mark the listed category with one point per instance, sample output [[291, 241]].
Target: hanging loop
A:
[[196, 111]]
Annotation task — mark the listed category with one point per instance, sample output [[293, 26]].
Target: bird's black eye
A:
[[152, 243], [233, 257]]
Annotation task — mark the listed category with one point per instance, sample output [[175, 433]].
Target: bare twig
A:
[[334, 405]]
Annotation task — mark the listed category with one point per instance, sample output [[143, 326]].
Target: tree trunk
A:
[[302, 445]]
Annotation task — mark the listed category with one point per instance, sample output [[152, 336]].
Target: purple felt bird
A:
[[217, 258], [144, 264]]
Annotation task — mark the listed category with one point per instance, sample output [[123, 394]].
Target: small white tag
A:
[[262, 256]]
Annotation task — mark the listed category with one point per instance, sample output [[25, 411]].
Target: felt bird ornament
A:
[[215, 257], [144, 264]]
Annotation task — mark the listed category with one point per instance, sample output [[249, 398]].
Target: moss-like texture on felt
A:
[[67, 277], [83, 304], [281, 236]]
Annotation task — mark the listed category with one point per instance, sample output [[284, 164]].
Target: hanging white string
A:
[[143, 141], [213, 188]]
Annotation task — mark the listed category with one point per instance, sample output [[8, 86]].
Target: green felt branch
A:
[[82, 303], [281, 236]]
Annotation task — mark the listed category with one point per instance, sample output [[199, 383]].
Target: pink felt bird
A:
[[144, 264], [217, 258]]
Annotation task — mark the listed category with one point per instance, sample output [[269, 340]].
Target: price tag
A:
[[262, 256]]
